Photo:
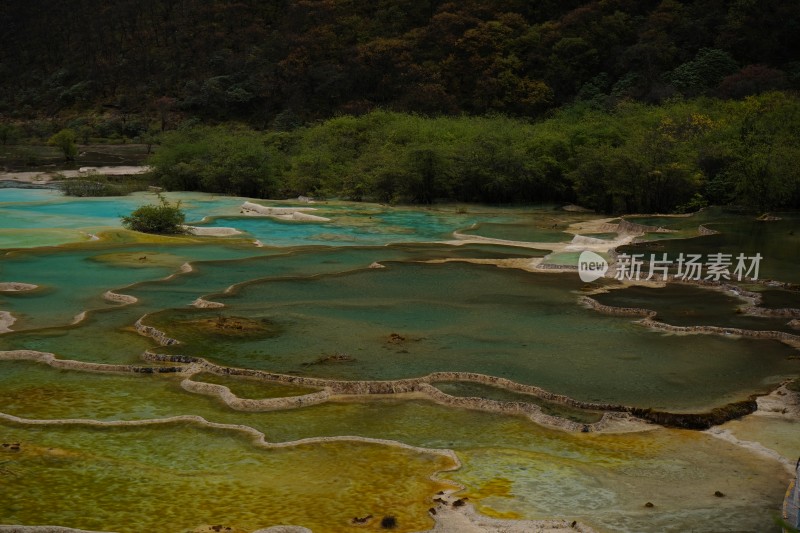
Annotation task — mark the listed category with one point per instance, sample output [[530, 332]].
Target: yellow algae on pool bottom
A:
[[135, 237], [493, 489], [512, 468], [141, 259], [179, 477], [775, 434], [33, 238], [679, 472], [499, 486], [504, 515]]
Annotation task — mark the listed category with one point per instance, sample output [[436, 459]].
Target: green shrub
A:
[[65, 141], [162, 219], [228, 160], [9, 133]]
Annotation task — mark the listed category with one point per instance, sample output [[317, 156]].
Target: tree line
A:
[[277, 64], [636, 157]]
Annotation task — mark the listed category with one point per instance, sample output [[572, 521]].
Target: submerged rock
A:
[[218, 528], [389, 522], [395, 338], [361, 520]]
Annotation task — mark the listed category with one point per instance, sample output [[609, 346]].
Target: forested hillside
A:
[[279, 63], [620, 105]]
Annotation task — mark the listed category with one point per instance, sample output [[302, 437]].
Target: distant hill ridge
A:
[[279, 63]]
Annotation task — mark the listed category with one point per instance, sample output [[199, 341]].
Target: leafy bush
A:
[[216, 159], [65, 141], [9, 133], [162, 219]]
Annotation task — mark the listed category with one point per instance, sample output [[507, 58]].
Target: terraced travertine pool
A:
[[354, 368]]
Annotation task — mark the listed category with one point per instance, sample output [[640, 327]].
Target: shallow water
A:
[[780, 299], [522, 326], [211, 477], [778, 243], [376, 229], [73, 280], [677, 472], [310, 294], [774, 432], [512, 466], [520, 232], [686, 305]]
